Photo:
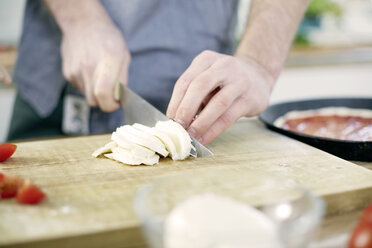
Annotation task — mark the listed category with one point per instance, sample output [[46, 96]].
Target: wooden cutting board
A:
[[89, 201]]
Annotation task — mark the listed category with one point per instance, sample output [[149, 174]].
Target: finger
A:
[[4, 76], [237, 109], [77, 81], [87, 77], [73, 78], [198, 90], [215, 108], [123, 76], [208, 98], [105, 76], [201, 62]]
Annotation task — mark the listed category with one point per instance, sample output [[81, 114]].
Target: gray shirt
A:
[[163, 36]]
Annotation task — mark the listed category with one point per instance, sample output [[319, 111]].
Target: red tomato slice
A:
[[29, 193], [9, 185], [367, 214], [361, 236], [6, 150]]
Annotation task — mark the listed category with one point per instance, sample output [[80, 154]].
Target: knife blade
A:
[[138, 110]]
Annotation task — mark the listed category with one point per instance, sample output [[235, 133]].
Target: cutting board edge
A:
[[347, 201], [114, 237]]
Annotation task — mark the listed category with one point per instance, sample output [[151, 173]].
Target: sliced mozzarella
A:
[[143, 139], [109, 155], [179, 136], [138, 144], [105, 149], [127, 157], [137, 150], [162, 136]]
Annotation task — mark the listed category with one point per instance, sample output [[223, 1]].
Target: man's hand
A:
[[4, 76], [94, 52], [223, 88], [94, 58]]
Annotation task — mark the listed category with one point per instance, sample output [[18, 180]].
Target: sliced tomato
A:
[[9, 185], [6, 151], [8, 193], [361, 236], [29, 193], [367, 214]]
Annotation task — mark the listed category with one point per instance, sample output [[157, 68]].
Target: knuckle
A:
[[197, 129], [182, 112], [182, 82], [202, 82], [101, 94], [201, 127], [227, 61], [222, 102], [245, 99], [206, 54], [226, 119], [210, 135]]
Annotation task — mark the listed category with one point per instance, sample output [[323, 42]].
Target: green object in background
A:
[[301, 39], [318, 8], [312, 19]]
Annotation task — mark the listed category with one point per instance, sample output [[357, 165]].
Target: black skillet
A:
[[350, 150]]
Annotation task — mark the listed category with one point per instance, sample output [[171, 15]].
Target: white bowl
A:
[[293, 210]]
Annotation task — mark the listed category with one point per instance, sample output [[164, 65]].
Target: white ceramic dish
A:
[[293, 209]]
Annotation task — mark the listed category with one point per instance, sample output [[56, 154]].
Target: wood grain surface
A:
[[90, 201]]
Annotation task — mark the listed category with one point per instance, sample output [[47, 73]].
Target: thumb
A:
[[104, 78], [123, 75]]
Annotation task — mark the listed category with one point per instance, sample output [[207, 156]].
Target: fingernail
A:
[[181, 122], [200, 140]]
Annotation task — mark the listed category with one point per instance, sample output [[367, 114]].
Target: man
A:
[[148, 44]]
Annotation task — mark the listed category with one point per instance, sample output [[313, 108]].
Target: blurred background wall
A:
[[331, 55], [11, 12]]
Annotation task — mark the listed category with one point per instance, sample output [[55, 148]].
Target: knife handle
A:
[[118, 90]]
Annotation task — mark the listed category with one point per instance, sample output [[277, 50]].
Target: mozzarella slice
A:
[[138, 144], [162, 136], [137, 150], [143, 139], [127, 157], [105, 149], [178, 135]]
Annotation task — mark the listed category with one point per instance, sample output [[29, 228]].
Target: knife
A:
[[138, 110]]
